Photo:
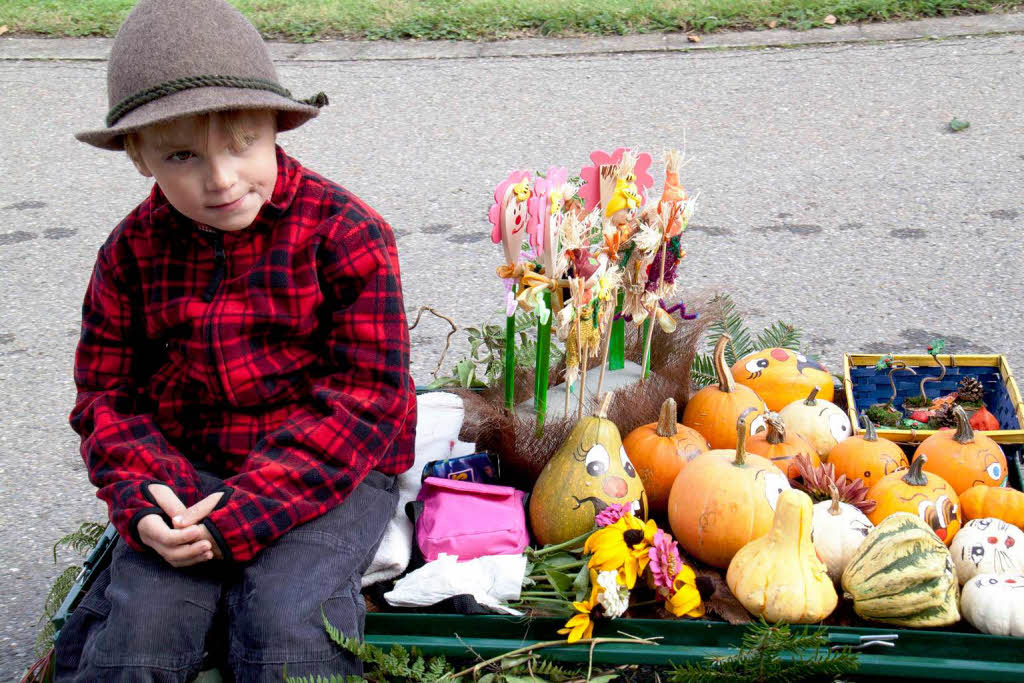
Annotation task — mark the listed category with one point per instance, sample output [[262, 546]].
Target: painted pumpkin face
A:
[[926, 495], [587, 474], [781, 376]]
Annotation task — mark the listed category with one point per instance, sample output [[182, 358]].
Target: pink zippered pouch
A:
[[469, 519]]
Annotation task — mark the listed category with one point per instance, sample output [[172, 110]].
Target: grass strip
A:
[[306, 20]]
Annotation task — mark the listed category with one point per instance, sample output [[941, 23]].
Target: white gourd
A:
[[987, 546], [838, 529], [994, 604], [821, 422]]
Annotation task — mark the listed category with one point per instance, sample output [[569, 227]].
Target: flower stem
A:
[[571, 543]]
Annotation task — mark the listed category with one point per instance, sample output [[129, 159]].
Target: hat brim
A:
[[290, 113]]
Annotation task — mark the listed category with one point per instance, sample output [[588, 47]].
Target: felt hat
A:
[[174, 58]]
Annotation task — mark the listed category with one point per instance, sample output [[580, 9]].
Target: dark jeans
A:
[[144, 620]]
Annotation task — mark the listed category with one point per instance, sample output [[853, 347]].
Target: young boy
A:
[[244, 397]]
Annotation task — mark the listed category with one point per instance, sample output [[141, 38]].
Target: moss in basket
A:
[[882, 416], [918, 402]]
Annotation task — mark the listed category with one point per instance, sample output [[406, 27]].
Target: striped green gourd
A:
[[903, 575]]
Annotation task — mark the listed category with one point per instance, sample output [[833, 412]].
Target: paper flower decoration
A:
[[545, 204], [509, 215], [606, 164]]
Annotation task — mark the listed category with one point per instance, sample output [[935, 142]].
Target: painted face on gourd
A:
[[608, 476], [780, 376], [937, 510], [993, 549]]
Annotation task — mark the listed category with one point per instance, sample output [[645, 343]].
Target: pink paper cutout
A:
[[541, 226], [509, 236], [591, 175]]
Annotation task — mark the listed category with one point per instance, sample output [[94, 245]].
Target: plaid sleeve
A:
[[356, 417], [122, 447]]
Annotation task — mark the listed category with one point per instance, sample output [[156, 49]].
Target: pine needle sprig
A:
[[730, 321], [770, 653]]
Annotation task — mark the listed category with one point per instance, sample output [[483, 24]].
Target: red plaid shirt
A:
[[276, 357]]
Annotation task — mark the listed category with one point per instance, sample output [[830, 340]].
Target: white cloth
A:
[[438, 422], [491, 580]]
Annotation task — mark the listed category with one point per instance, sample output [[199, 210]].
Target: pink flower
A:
[[611, 514], [665, 560], [590, 193]]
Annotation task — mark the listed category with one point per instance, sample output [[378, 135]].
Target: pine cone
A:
[[814, 481], [943, 417], [970, 390]]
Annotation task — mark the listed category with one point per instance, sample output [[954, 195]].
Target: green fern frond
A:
[[555, 672], [781, 335], [336, 678], [82, 539]]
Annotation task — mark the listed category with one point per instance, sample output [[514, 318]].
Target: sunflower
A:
[[685, 599], [622, 546], [581, 625]]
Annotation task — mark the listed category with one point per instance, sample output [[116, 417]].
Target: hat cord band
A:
[[155, 92]]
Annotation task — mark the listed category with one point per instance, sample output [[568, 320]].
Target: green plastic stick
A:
[[510, 362], [617, 350], [540, 388]]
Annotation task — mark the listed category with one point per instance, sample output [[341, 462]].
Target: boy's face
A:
[[205, 174]]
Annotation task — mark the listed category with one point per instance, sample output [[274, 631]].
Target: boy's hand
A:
[[185, 518], [178, 547]]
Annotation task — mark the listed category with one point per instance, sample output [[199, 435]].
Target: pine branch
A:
[[781, 335], [731, 323], [702, 372], [81, 540]]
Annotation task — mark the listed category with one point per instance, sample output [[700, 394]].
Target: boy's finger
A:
[[197, 512], [183, 537], [166, 499], [185, 555]]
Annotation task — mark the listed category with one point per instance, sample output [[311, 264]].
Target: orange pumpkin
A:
[[994, 501], [963, 458], [713, 410], [781, 376], [926, 495], [780, 446], [724, 499], [867, 456], [659, 450]]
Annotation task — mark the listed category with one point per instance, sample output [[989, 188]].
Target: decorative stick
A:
[[540, 389], [584, 349], [510, 362], [648, 327], [617, 339], [609, 316]]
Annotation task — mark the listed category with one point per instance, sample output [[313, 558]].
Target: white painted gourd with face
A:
[[837, 530], [987, 546], [994, 604]]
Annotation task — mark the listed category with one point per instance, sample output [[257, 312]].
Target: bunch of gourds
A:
[[722, 478]]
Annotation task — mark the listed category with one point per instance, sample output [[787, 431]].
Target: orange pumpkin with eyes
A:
[[963, 458], [713, 410], [724, 499], [867, 456], [780, 446], [926, 495], [781, 376]]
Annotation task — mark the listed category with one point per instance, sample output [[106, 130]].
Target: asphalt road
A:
[[833, 196]]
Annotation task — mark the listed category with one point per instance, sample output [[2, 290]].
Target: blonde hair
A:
[[237, 124]]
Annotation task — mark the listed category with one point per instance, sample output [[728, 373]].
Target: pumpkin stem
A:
[[834, 492], [964, 431], [809, 401], [915, 476], [870, 433], [741, 437], [667, 418], [602, 412], [776, 428], [897, 365], [726, 382], [942, 374]]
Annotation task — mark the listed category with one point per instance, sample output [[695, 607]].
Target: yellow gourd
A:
[[779, 576]]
